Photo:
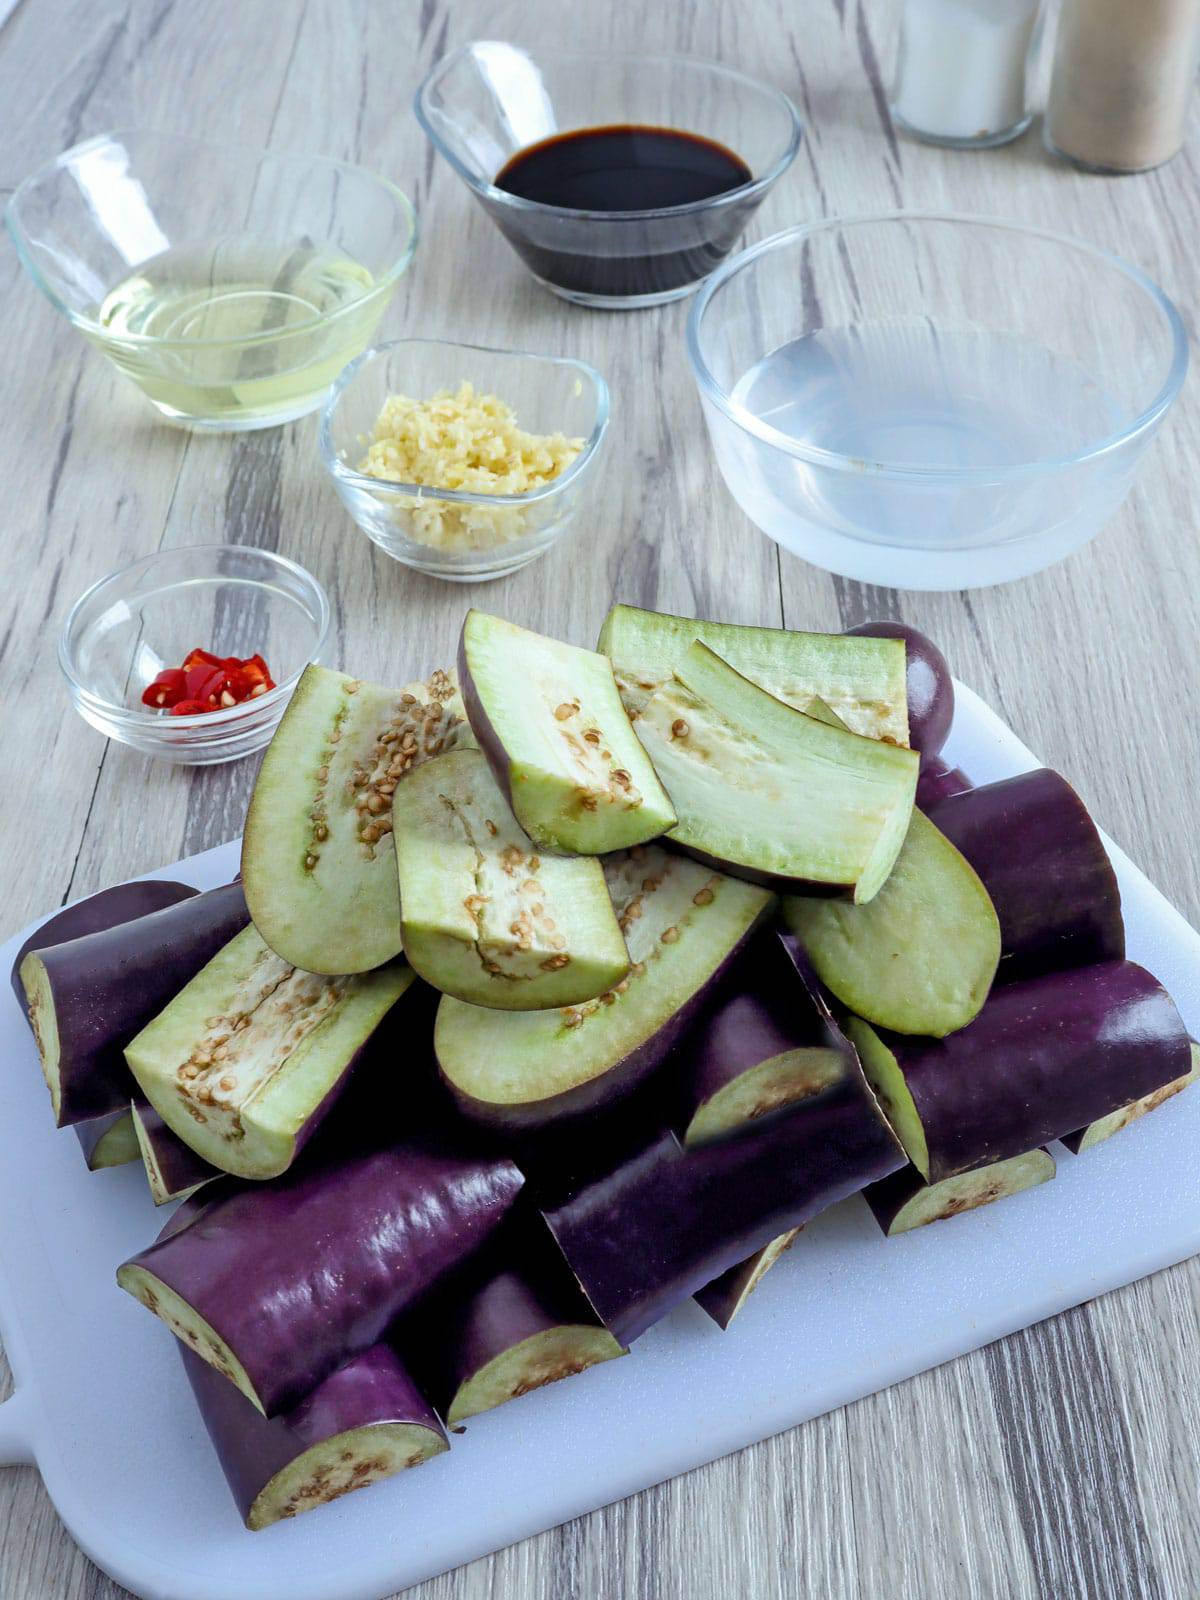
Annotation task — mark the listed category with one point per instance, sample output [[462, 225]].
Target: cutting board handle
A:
[[16, 1429]]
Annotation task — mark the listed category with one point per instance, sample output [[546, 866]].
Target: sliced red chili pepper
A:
[[208, 682], [198, 658], [188, 708], [165, 689]]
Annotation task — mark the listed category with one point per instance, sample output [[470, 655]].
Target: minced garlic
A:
[[468, 441]]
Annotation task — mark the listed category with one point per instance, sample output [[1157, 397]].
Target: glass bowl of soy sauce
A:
[[621, 181]]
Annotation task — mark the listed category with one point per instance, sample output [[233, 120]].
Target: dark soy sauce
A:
[[626, 169]]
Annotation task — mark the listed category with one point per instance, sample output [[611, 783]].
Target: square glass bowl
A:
[[231, 285], [232, 600], [455, 534]]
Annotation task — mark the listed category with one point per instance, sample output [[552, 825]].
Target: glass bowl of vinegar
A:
[[231, 285]]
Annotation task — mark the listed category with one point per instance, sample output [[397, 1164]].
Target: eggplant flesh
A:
[[725, 1296], [108, 1141], [1042, 861], [365, 1422], [88, 997], [317, 856], [278, 1285], [769, 793], [861, 679], [485, 918], [905, 1201], [683, 925], [1042, 1058], [1104, 1127], [249, 1057], [173, 1169], [550, 721]]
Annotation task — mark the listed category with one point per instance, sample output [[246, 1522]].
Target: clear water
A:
[[913, 395]]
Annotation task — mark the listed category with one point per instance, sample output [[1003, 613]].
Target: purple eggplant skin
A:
[[1042, 1058], [1042, 861], [105, 986], [173, 1169], [938, 782], [725, 1296], [124, 902], [108, 1141], [372, 1391], [663, 1225], [294, 1277], [928, 682]]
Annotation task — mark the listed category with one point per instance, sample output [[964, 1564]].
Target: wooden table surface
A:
[[1060, 1462]]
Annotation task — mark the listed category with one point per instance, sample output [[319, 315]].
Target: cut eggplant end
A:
[[486, 918], [771, 794], [967, 1191], [162, 1189], [109, 1141], [725, 1296], [249, 1054], [543, 1358], [1104, 1127], [682, 924], [317, 857], [39, 1001], [863, 679], [885, 1077], [921, 957], [338, 1466], [186, 1324], [769, 1087], [549, 719]]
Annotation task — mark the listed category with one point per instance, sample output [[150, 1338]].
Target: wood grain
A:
[[1060, 1462]]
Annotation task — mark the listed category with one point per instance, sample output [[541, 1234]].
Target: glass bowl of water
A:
[[928, 401], [230, 599], [231, 285]]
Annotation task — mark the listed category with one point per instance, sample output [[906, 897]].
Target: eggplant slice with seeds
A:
[[108, 1141], [549, 719], [317, 855], [486, 918], [905, 1201], [1104, 1127]]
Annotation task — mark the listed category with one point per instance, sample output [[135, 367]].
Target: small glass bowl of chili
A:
[[216, 615]]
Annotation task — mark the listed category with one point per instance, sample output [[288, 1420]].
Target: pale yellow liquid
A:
[[264, 295]]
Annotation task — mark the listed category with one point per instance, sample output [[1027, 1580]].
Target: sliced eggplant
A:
[[108, 1141], [770, 793], [1104, 1127], [929, 686], [277, 1285], [683, 925], [862, 679], [365, 1422], [173, 1169], [1042, 1058], [515, 1331], [939, 781], [904, 1200], [1044, 864], [250, 1056], [317, 856], [486, 918], [549, 719], [87, 998], [725, 1296]]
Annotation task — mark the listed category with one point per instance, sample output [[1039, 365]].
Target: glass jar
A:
[[964, 69]]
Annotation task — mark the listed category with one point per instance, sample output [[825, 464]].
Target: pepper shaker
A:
[[963, 70]]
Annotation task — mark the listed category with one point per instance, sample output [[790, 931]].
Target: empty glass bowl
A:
[[456, 534], [232, 600], [231, 285], [487, 100], [930, 401]]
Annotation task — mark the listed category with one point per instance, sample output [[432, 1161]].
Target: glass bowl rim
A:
[[342, 474], [756, 187], [386, 283], [1147, 419], [134, 717]]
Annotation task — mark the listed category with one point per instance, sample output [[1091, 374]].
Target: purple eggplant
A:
[[1042, 1058], [904, 1200], [661, 1226], [1042, 861], [928, 681], [725, 1296], [1104, 1127], [108, 1141], [365, 1422], [173, 1169], [88, 997], [938, 782], [277, 1285]]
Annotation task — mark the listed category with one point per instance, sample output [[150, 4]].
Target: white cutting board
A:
[[102, 1407]]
